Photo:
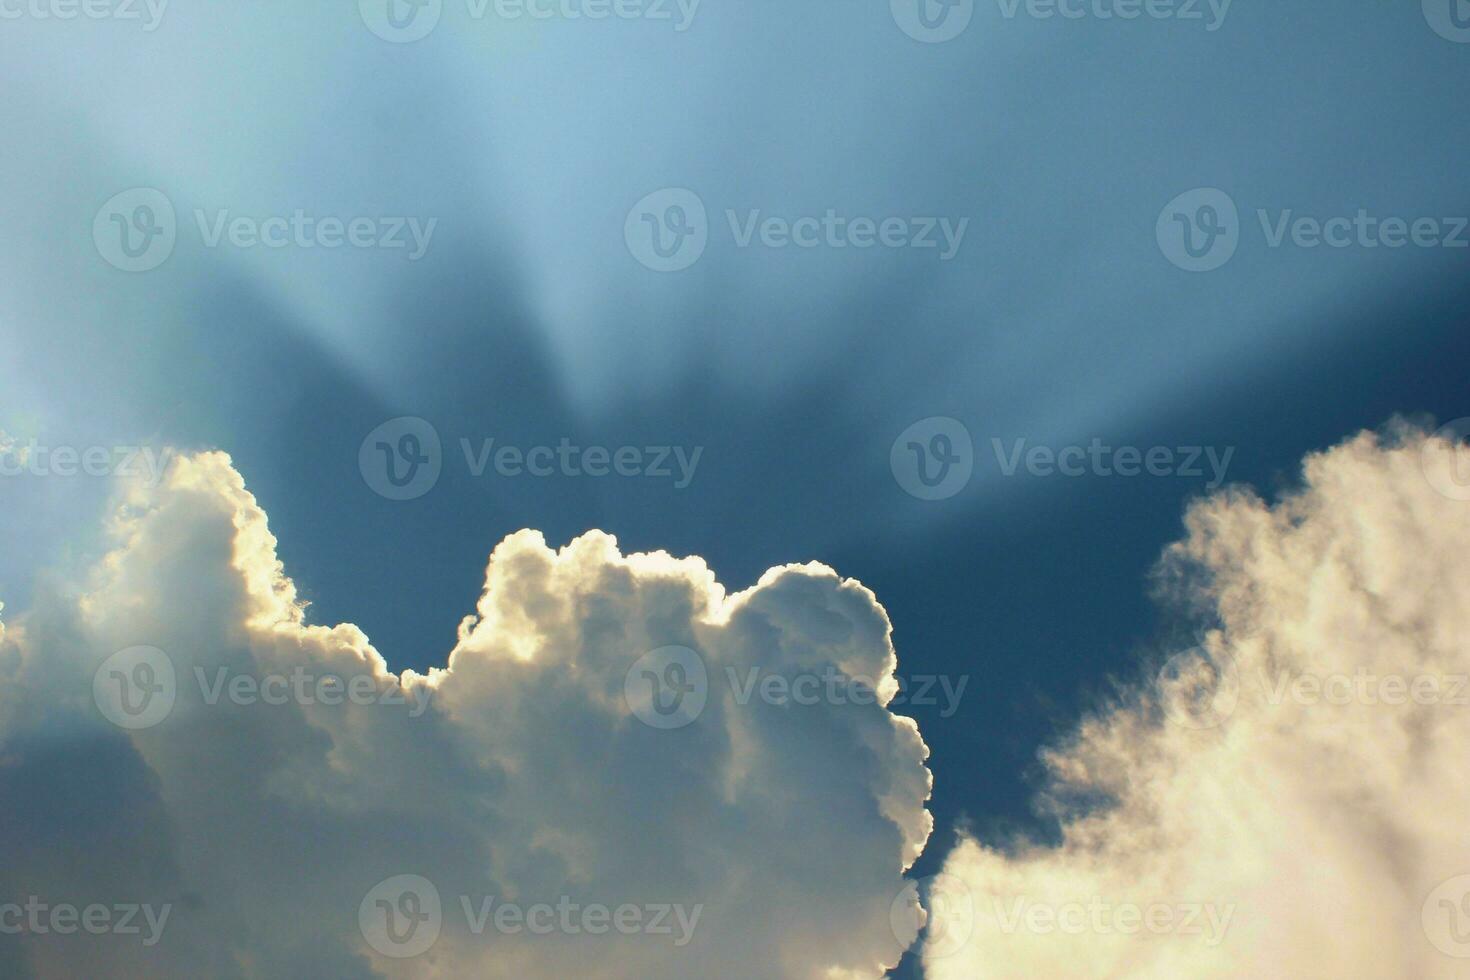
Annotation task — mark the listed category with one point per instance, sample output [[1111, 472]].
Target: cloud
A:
[[1291, 797], [175, 735]]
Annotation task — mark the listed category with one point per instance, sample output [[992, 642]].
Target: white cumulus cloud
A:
[[175, 735], [1291, 798]]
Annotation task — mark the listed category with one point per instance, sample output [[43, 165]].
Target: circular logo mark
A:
[[1199, 230], [401, 21], [401, 459], [933, 459], [401, 917], [947, 909], [668, 230], [135, 688], [667, 688], [1449, 18], [933, 21], [1446, 917], [135, 231], [1197, 691], [1448, 472]]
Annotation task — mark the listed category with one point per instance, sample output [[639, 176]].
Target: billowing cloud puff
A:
[[583, 790], [1291, 798]]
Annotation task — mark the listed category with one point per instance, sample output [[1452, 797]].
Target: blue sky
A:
[[529, 318]]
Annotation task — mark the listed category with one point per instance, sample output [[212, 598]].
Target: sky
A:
[[895, 288]]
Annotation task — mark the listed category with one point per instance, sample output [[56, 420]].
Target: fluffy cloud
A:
[[267, 818], [1291, 798]]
